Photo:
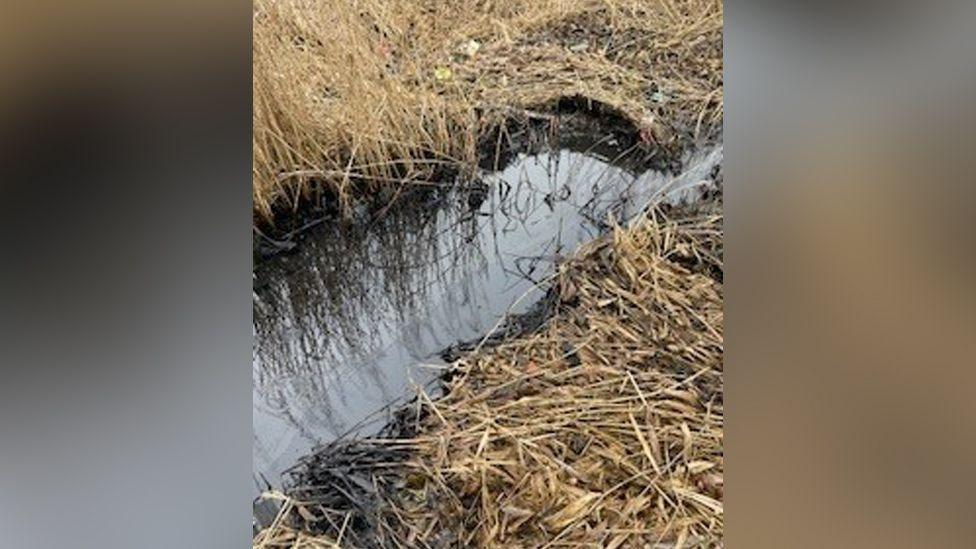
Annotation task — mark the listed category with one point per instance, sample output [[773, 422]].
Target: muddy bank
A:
[[359, 314], [602, 425], [352, 99], [572, 123], [355, 467]]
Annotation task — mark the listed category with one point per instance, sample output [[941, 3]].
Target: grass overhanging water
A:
[[604, 426], [352, 97]]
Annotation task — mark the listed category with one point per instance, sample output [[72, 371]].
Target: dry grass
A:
[[281, 535], [604, 428], [355, 96]]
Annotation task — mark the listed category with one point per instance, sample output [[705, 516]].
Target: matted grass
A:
[[354, 96], [281, 535], [603, 428]]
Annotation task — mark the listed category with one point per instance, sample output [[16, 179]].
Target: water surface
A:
[[355, 317]]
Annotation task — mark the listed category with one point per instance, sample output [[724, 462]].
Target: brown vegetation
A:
[[603, 428], [354, 96]]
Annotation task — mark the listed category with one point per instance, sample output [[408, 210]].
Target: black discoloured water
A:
[[357, 314]]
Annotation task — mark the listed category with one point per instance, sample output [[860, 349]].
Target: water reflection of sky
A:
[[356, 315]]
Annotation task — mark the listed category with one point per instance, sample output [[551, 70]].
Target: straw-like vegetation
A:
[[281, 535], [357, 96], [602, 428], [605, 428]]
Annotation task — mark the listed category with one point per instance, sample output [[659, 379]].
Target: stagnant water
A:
[[355, 317]]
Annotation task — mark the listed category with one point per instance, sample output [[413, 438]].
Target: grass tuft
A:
[[351, 97]]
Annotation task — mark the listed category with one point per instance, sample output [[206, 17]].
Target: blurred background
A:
[[125, 391], [850, 261], [125, 287]]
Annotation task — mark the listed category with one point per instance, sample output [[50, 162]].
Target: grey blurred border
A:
[[125, 401], [125, 282], [849, 251]]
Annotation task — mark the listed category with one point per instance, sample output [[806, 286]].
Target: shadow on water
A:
[[357, 314]]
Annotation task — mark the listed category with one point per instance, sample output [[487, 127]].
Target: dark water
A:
[[356, 316]]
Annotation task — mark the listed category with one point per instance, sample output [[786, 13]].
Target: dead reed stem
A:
[[351, 96], [603, 428]]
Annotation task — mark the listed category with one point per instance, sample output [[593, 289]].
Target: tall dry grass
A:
[[355, 96]]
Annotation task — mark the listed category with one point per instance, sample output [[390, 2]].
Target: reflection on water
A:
[[357, 314]]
